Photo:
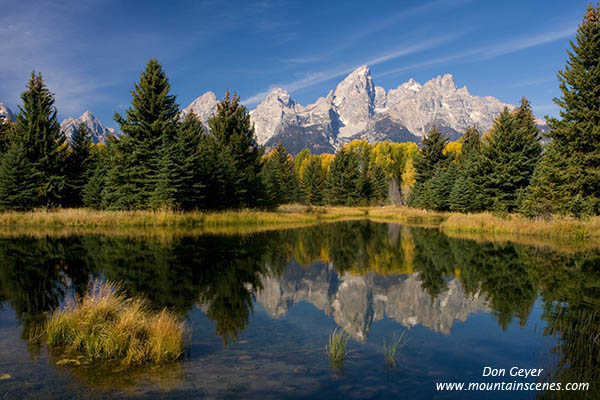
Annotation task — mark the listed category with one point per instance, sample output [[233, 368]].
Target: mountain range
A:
[[355, 109], [97, 131]]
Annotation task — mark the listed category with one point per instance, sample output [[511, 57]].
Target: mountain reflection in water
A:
[[357, 273]]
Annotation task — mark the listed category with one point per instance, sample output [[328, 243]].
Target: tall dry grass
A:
[[106, 325], [559, 227], [88, 218]]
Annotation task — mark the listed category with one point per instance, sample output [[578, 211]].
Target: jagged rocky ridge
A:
[[6, 113], [98, 132], [357, 109]]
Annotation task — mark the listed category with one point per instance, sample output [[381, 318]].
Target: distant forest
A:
[[164, 162]]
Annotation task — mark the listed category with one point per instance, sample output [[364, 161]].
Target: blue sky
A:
[[90, 52]]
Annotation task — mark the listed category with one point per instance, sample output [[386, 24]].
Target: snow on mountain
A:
[[204, 107], [6, 113], [98, 132], [354, 102], [276, 109], [357, 109]]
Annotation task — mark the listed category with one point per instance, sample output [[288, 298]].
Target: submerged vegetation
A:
[[390, 349], [105, 325]]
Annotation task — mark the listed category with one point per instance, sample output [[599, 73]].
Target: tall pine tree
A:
[[19, 181], [343, 179], [508, 158], [78, 166], [313, 180], [568, 178], [279, 178], [234, 134], [149, 128], [431, 155], [38, 132]]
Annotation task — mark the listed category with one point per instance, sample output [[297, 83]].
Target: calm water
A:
[[261, 307]]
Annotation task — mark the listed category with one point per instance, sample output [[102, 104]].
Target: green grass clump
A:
[[336, 348], [105, 325], [390, 349]]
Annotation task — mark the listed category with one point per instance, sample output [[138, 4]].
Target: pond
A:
[[260, 308]]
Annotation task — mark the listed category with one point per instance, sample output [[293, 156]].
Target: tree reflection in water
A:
[[222, 274]]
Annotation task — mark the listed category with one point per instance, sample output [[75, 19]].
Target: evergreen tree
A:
[[38, 132], [569, 175], [313, 181], [150, 126], [471, 145], [279, 179], [219, 176], [5, 135], [78, 166], [19, 181], [441, 186], [92, 191], [379, 183], [190, 193], [343, 179], [167, 181], [123, 181], [508, 158], [234, 134], [465, 197], [431, 155], [462, 195]]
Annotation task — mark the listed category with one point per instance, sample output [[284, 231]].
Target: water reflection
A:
[[356, 272]]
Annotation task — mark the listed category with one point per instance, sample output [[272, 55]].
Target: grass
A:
[[88, 218], [514, 228], [336, 348], [563, 227], [390, 349], [105, 325]]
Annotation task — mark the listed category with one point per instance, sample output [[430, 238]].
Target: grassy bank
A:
[[87, 218], [105, 325], [485, 225], [491, 225]]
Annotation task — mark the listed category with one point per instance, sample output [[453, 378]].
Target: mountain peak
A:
[[362, 70], [97, 131], [204, 107], [354, 100], [445, 81], [280, 95], [6, 113], [412, 85]]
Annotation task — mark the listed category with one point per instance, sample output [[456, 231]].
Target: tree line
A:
[[164, 161], [509, 170]]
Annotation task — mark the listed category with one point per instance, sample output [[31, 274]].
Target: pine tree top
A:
[[154, 111]]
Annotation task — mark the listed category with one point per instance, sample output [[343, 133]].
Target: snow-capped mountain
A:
[[5, 113], [357, 109], [98, 132], [204, 107]]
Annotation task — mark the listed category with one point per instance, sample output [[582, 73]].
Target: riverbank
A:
[[486, 225], [88, 218]]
